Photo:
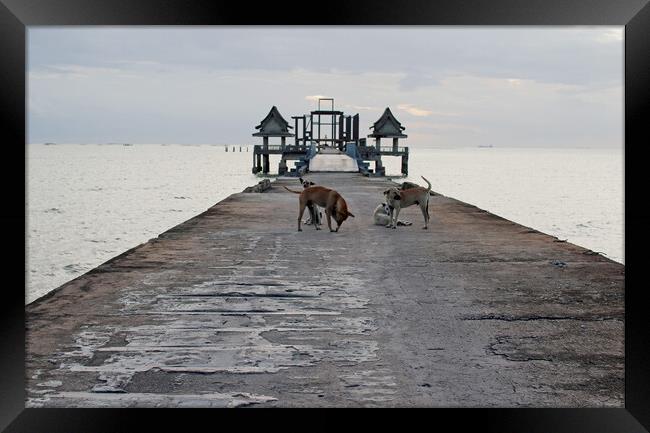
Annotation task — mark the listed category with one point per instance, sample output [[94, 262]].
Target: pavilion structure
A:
[[326, 130]]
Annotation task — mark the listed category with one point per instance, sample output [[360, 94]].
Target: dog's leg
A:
[[309, 219], [314, 217], [300, 213], [317, 216], [390, 218], [425, 214], [329, 219], [311, 214], [395, 216]]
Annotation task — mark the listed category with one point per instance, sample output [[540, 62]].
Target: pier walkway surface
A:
[[236, 307], [332, 160]]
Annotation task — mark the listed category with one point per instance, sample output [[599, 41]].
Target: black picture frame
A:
[[15, 15]]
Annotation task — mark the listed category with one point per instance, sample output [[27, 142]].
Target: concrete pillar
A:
[[282, 169]]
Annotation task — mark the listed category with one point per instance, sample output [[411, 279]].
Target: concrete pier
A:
[[235, 307]]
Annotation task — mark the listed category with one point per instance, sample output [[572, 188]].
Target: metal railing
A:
[[371, 151], [258, 148], [390, 149]]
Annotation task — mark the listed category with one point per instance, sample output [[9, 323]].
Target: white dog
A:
[[382, 216]]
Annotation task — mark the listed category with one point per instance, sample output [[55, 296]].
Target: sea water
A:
[[89, 203]]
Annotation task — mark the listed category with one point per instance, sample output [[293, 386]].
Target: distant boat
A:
[[485, 145], [127, 144], [49, 144]]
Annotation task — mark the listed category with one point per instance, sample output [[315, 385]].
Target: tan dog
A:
[[398, 199], [326, 198]]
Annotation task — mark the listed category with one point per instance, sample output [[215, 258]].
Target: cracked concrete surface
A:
[[235, 308]]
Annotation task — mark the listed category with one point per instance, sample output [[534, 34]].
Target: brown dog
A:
[[326, 198]]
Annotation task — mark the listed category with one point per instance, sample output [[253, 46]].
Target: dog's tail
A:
[[428, 183], [290, 190]]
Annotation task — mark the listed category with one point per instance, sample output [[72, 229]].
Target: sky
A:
[[449, 86]]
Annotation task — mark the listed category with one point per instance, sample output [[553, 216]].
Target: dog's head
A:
[[392, 195], [340, 212], [306, 183]]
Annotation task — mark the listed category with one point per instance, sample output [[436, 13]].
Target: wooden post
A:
[[405, 164], [348, 128], [265, 163], [378, 144], [282, 142], [257, 164], [295, 141], [395, 139]]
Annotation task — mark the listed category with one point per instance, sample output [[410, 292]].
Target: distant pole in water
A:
[[226, 146], [240, 148], [233, 148]]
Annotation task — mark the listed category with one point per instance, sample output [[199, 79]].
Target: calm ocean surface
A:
[[89, 203]]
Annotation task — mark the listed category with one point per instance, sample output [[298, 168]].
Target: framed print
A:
[[368, 205]]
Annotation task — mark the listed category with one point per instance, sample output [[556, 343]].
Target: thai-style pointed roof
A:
[[387, 126], [273, 125]]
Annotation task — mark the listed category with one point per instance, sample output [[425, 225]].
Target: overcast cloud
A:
[[449, 86]]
